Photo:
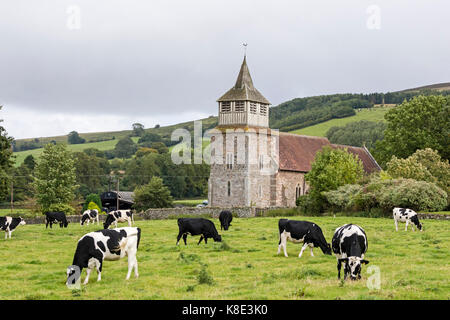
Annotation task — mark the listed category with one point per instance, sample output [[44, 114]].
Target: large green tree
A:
[[333, 168], [6, 162], [125, 148], [419, 123], [152, 195], [91, 172], [55, 177]]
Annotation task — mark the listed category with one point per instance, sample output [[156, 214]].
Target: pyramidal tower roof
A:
[[243, 89]]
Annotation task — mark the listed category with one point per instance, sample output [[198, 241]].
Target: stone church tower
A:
[[241, 173]]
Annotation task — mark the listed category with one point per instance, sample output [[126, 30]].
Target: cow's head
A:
[[108, 221], [66, 223], [22, 222], [353, 266], [217, 238], [73, 273], [326, 249]]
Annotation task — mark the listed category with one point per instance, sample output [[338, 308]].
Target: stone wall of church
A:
[[289, 185]]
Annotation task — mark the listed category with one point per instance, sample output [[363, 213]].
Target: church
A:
[[253, 165]]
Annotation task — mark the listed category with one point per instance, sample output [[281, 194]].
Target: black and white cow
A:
[[408, 216], [89, 215], [225, 218], [9, 224], [118, 216], [349, 244], [308, 233], [107, 244], [55, 217], [196, 226]]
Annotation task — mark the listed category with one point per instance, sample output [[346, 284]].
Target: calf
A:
[[118, 216], [408, 216], [306, 232], [349, 244], [108, 244], [9, 224], [225, 218], [55, 217], [196, 226], [89, 215]]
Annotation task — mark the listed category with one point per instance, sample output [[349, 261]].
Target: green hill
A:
[[373, 114]]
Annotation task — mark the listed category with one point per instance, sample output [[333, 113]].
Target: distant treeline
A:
[[304, 112]]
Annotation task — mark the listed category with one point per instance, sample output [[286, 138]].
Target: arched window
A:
[[229, 188]]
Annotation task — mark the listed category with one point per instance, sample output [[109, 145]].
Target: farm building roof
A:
[[243, 89], [297, 152]]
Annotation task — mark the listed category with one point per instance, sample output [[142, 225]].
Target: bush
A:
[[92, 198], [308, 204], [387, 194], [66, 208]]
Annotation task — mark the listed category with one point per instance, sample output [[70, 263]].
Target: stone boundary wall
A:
[[171, 213]]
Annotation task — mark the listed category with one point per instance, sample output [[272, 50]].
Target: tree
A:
[[138, 129], [90, 172], [416, 124], [152, 195], [30, 162], [6, 162], [125, 148], [331, 169], [160, 147], [55, 182], [423, 165], [357, 133], [74, 138]]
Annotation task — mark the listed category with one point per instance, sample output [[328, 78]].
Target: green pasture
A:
[[320, 129], [102, 146], [413, 265]]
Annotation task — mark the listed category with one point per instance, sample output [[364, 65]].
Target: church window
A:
[[260, 191], [239, 106], [225, 107], [261, 162], [229, 188], [253, 108], [230, 160], [263, 109]]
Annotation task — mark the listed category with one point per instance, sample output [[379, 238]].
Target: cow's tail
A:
[[138, 237]]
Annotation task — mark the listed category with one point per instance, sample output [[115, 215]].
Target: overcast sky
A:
[[103, 65]]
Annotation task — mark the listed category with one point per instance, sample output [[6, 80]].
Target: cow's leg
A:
[[201, 238], [303, 248], [46, 224], [279, 244], [406, 225], [99, 270], [185, 238], [88, 272], [396, 224], [206, 240], [6, 234], [339, 265], [179, 237], [10, 234], [283, 244], [311, 250], [132, 263]]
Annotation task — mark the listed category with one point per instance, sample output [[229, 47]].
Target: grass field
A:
[[319, 130], [102, 145], [413, 265]]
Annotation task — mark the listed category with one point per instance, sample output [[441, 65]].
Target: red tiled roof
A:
[[297, 152]]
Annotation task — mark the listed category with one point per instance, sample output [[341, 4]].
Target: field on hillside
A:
[[102, 145], [319, 130], [413, 265]]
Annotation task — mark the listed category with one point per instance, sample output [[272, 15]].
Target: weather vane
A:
[[245, 48]]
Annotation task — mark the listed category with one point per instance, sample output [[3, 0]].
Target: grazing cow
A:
[[306, 232], [225, 218], [89, 215], [408, 216], [196, 226], [55, 217], [349, 243], [107, 244], [118, 216], [9, 224]]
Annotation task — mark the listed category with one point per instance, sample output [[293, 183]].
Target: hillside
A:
[[434, 87], [373, 114]]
